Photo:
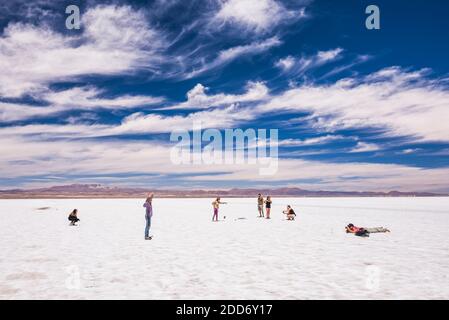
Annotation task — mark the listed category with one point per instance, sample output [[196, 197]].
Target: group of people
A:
[[289, 212], [260, 203]]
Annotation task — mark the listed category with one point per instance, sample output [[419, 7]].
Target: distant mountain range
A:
[[100, 191]]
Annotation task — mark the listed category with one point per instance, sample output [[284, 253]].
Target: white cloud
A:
[[115, 40], [21, 157], [154, 123], [14, 111], [341, 176], [364, 147], [136, 123], [337, 176], [285, 63], [228, 55], [53, 131], [310, 141], [358, 60], [197, 93], [88, 98], [300, 65], [409, 151], [113, 28], [324, 56], [399, 102], [255, 15], [197, 97], [255, 47], [77, 98]]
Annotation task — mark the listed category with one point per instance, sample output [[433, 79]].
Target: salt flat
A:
[[190, 257]]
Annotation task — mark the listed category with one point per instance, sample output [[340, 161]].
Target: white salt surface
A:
[[190, 257]]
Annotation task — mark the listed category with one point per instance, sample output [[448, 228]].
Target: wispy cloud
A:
[[400, 102], [90, 98], [364, 147], [77, 98], [228, 55], [114, 158], [219, 118], [310, 141], [341, 68], [122, 40], [410, 151], [299, 65], [136, 123], [123, 55], [115, 40]]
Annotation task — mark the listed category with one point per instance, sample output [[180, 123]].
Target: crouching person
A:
[[290, 213], [73, 217]]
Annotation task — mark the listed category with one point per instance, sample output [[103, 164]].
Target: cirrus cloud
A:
[[400, 102], [115, 40]]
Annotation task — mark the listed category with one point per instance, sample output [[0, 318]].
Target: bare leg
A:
[[377, 230]]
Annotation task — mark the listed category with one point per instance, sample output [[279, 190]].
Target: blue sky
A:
[[356, 109]]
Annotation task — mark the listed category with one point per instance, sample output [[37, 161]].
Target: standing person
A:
[[148, 214], [216, 206], [260, 205], [73, 217], [290, 213], [268, 206]]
